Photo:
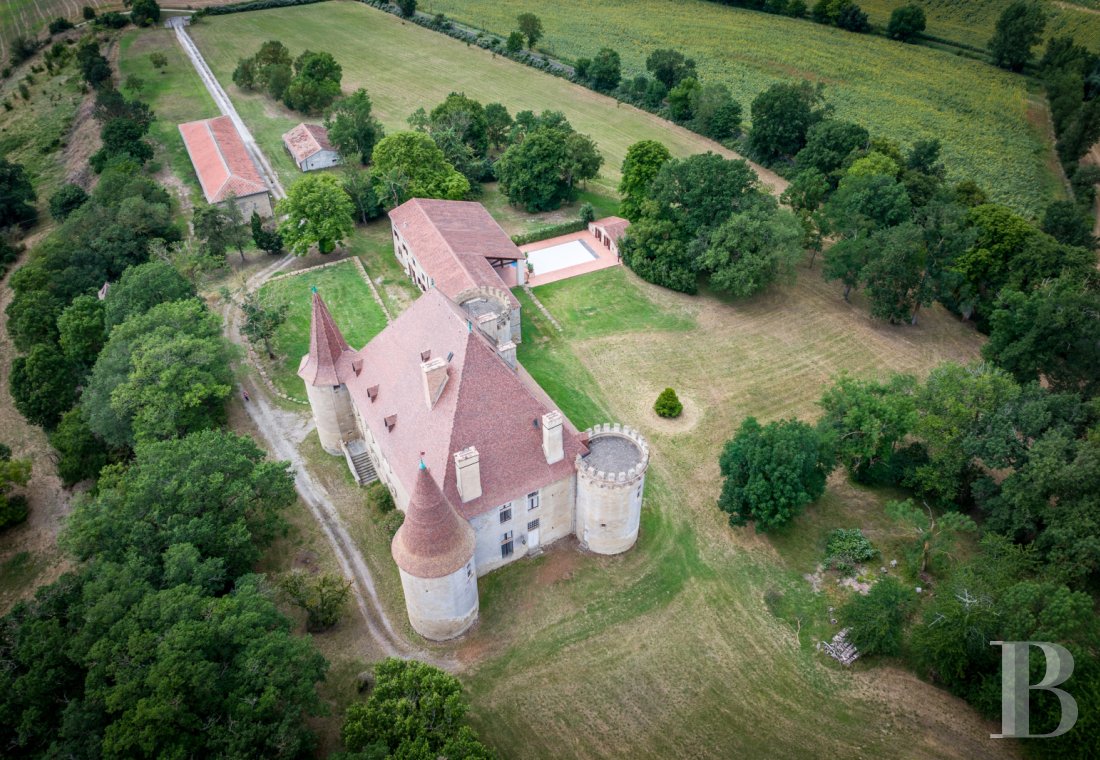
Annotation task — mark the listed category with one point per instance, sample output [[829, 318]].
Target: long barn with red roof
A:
[[223, 166]]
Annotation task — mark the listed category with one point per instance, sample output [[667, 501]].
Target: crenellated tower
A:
[[610, 483]]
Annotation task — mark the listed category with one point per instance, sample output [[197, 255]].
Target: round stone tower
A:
[[610, 482], [323, 369], [434, 550]]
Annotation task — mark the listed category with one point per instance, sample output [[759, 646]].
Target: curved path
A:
[[225, 105], [281, 431]]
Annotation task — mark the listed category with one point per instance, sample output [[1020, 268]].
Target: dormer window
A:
[[372, 392], [425, 355], [391, 421]]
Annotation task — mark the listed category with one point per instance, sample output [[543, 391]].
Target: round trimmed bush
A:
[[668, 405]]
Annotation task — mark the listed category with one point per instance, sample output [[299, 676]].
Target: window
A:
[[505, 514], [469, 571], [506, 550], [532, 500], [533, 525]]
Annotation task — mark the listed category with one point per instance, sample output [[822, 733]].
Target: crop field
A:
[[992, 128], [405, 67], [973, 21], [347, 297]]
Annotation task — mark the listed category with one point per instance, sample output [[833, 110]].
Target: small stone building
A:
[[485, 468], [608, 231], [223, 166], [309, 147]]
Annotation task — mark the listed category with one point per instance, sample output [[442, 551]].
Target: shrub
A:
[[876, 621], [59, 25], [845, 547], [554, 230], [323, 597], [88, 12], [668, 405], [408, 7], [379, 497], [588, 213], [67, 200], [13, 511]]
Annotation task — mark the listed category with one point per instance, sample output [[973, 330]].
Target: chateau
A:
[[484, 466]]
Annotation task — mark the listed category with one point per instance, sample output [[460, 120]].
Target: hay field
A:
[[405, 67], [993, 129]]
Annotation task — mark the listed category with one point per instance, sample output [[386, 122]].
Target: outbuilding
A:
[[223, 166], [309, 147]]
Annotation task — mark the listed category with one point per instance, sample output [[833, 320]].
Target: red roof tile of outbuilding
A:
[[306, 140], [484, 404], [220, 159], [453, 241], [614, 226]]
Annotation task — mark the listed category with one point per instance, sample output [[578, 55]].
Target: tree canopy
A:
[[317, 212], [781, 117], [1019, 29], [541, 170], [414, 710], [643, 160], [771, 472], [410, 165], [352, 127]]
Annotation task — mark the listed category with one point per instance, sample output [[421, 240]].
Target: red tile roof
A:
[[453, 241], [306, 140], [327, 350], [614, 226], [220, 159], [434, 540], [484, 404]]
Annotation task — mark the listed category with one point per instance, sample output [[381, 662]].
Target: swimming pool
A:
[[560, 256]]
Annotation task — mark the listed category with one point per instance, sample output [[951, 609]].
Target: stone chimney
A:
[[468, 474], [551, 437], [434, 372], [507, 352]]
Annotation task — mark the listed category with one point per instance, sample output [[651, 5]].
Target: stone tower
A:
[[325, 369], [434, 550], [610, 482]]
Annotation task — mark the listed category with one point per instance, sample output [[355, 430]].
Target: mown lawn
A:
[[405, 67], [349, 300], [903, 92], [607, 302]]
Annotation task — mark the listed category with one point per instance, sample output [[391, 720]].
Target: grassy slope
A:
[[897, 91], [347, 297], [405, 67], [175, 93], [670, 649], [973, 21]]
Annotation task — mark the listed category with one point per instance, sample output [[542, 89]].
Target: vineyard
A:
[[991, 127]]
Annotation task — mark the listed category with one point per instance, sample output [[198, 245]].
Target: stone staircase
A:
[[359, 461]]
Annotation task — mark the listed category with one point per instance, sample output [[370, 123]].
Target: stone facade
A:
[[502, 473]]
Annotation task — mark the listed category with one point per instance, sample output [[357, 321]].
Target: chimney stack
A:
[[551, 437], [434, 372], [507, 352], [468, 474]]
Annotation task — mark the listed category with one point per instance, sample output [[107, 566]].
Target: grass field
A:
[[992, 129], [385, 55], [671, 649], [175, 93], [973, 21], [348, 298]]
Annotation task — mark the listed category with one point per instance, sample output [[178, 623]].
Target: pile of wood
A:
[[840, 649]]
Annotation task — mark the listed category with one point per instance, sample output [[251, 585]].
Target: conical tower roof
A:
[[434, 541], [326, 346]]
